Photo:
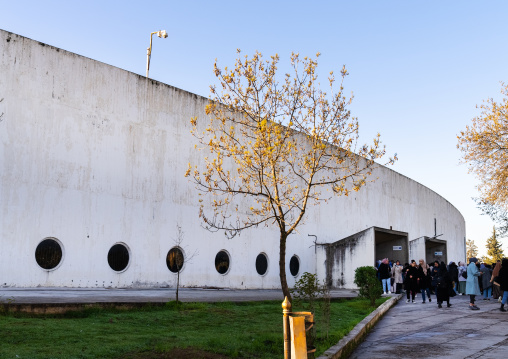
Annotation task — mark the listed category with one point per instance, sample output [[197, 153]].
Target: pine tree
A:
[[494, 250], [471, 249]]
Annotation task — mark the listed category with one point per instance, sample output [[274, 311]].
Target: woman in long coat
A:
[[425, 279], [472, 286], [411, 281], [397, 277], [502, 279], [444, 286], [487, 284], [497, 293]]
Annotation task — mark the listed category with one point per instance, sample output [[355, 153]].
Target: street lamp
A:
[[160, 33]]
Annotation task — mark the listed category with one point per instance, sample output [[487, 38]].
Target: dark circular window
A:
[[174, 260], [261, 263], [48, 254], [222, 262], [294, 265], [118, 257]]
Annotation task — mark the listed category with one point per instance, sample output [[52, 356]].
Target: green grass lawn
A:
[[222, 330]]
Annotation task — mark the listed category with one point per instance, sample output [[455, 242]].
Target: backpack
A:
[[464, 274]]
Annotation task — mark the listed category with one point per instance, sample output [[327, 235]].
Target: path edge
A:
[[347, 344]]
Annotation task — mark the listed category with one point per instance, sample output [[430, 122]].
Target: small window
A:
[[118, 257], [222, 262], [48, 254], [261, 263], [294, 265], [175, 259]]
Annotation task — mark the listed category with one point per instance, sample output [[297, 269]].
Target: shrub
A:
[[307, 289], [368, 284]]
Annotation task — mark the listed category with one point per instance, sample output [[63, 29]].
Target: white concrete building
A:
[[92, 189]]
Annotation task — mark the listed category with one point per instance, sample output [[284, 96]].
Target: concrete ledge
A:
[[347, 344], [61, 308]]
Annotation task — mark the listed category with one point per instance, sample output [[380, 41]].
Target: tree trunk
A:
[[177, 284], [282, 267]]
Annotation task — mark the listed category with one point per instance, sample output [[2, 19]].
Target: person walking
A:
[[462, 278], [472, 286], [487, 284], [434, 272], [444, 286], [385, 275], [502, 279], [425, 279], [397, 277], [497, 293], [411, 281], [454, 275]]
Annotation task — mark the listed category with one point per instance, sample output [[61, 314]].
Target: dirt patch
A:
[[175, 353]]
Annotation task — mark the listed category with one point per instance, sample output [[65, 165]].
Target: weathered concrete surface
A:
[[424, 331], [347, 344], [92, 156], [60, 300], [128, 295]]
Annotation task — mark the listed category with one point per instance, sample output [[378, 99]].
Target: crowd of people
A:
[[446, 281]]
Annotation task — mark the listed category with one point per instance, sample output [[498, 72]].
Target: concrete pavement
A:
[[424, 331], [152, 295]]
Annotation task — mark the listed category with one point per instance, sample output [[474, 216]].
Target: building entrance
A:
[[391, 244], [435, 250]]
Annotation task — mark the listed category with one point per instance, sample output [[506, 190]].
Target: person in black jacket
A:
[[453, 269], [434, 272], [502, 280], [411, 281], [443, 286], [385, 275], [425, 279]]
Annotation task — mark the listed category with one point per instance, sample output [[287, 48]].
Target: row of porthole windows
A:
[[49, 255]]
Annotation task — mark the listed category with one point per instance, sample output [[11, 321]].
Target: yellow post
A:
[[286, 309], [298, 338]]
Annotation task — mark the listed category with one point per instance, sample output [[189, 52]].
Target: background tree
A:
[[175, 257], [484, 147], [494, 250], [471, 249], [283, 141], [498, 214]]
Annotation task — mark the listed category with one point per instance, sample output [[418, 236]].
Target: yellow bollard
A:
[[294, 327], [298, 338], [286, 309]]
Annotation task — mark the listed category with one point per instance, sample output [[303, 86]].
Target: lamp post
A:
[[160, 33]]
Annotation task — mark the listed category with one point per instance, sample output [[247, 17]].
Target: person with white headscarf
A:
[[462, 279]]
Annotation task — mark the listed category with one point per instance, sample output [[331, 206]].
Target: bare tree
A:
[[1, 114], [175, 258]]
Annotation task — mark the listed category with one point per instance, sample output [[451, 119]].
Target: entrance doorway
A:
[[391, 244], [435, 250]]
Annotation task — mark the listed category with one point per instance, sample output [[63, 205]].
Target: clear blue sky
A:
[[417, 68]]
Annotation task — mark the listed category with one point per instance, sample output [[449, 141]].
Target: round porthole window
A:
[[261, 264], [175, 259], [118, 257], [48, 253], [294, 265], [222, 262]]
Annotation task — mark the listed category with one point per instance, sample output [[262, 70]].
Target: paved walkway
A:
[[160, 295], [424, 331]]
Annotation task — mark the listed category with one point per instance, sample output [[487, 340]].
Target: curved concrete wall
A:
[[93, 155]]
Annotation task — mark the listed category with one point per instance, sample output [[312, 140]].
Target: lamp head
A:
[[162, 33]]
